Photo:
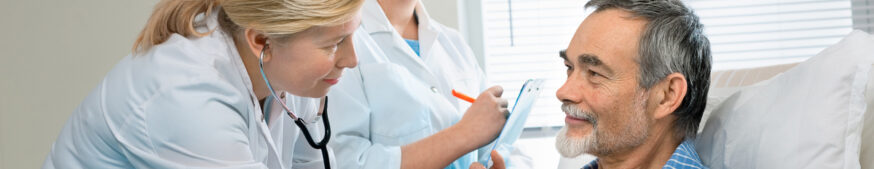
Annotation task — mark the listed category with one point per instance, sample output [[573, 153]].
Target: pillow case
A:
[[724, 83], [807, 117]]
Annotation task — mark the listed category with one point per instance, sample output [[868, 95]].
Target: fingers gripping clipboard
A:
[[516, 121]]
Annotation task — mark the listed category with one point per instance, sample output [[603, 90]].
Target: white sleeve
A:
[[351, 128], [196, 124]]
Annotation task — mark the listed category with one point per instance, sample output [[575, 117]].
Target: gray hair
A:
[[673, 41]]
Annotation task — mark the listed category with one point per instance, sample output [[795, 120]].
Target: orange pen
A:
[[462, 96]]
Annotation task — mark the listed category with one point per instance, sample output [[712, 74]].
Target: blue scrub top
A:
[[414, 44]]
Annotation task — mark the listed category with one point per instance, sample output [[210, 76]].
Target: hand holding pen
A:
[[486, 115]]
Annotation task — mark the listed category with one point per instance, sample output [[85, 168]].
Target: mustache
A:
[[575, 112]]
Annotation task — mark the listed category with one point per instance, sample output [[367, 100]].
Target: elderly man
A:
[[637, 78]]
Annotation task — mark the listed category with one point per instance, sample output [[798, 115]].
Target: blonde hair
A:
[[275, 18]]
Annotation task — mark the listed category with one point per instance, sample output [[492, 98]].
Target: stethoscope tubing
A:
[[321, 145]]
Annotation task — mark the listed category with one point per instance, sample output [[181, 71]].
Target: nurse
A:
[[200, 89], [398, 109]]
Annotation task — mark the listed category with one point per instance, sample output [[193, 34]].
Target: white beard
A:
[[571, 147], [596, 143]]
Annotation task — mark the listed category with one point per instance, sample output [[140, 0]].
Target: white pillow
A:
[[807, 117], [724, 83]]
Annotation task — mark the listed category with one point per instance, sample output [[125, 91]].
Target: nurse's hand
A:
[[496, 158], [485, 118], [479, 126]]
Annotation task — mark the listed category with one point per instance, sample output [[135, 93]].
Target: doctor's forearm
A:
[[440, 149]]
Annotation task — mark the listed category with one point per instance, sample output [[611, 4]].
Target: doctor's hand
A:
[[496, 158], [485, 118]]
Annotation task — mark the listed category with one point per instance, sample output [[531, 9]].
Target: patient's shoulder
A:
[[685, 157]]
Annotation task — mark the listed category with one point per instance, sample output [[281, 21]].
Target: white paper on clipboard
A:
[[516, 122]]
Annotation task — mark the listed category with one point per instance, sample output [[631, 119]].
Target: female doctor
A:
[[197, 90], [398, 104]]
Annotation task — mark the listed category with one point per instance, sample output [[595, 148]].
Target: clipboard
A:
[[516, 122]]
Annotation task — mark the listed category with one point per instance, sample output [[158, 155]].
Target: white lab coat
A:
[[186, 103], [395, 97]]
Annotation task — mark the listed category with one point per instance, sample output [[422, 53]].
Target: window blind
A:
[[863, 15], [528, 48], [522, 38]]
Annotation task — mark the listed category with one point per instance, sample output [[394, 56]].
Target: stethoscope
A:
[[322, 145]]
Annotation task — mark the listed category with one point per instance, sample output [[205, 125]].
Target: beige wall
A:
[[53, 53], [56, 51]]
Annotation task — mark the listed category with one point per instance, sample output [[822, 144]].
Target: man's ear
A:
[[257, 41], [672, 90]]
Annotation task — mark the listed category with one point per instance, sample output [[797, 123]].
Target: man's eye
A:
[[593, 73], [569, 68]]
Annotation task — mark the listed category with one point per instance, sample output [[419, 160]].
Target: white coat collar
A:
[[211, 23], [374, 20]]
